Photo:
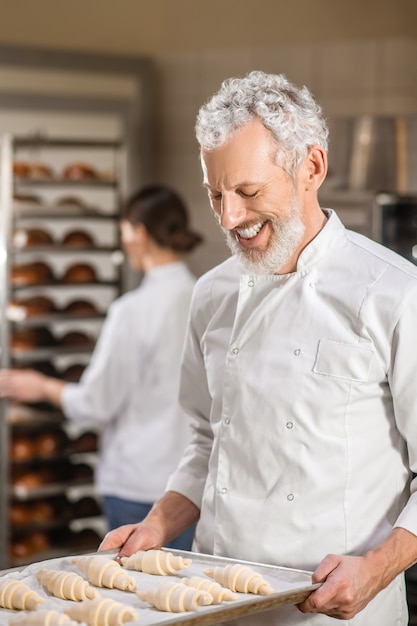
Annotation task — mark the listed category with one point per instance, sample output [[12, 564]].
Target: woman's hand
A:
[[22, 385], [30, 386]]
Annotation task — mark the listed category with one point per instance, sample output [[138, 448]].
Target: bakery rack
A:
[[42, 419]]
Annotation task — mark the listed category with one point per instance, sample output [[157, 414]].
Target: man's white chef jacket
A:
[[130, 387], [303, 389]]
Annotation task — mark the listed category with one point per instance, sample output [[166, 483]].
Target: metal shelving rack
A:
[[9, 146]]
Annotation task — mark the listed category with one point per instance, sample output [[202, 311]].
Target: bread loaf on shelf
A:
[[80, 307], [80, 273], [77, 339], [21, 448], [79, 171], [35, 273], [78, 239], [73, 373], [32, 237], [25, 339], [34, 306]]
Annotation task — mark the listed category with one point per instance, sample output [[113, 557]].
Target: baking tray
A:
[[292, 587]]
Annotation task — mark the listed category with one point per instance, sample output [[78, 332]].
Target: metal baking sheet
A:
[[292, 587]]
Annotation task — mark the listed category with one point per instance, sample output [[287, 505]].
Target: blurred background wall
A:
[[356, 57]]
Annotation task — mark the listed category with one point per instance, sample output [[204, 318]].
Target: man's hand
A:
[[347, 587], [132, 538], [169, 517], [350, 582]]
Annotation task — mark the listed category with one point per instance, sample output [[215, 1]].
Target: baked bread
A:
[[80, 273], [31, 237], [73, 373], [73, 204], [42, 511], [80, 307], [32, 307], [86, 539], [24, 339], [50, 444], [27, 480], [39, 541], [87, 506], [31, 274], [21, 448], [40, 171], [80, 171], [75, 339], [19, 514], [82, 472], [21, 169], [86, 442], [78, 239]]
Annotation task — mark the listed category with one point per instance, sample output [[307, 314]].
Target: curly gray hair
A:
[[290, 113]]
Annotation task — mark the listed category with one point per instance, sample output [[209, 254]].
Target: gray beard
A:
[[287, 233]]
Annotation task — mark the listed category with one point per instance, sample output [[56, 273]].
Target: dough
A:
[[240, 578], [66, 585], [44, 617], [16, 595], [155, 562], [175, 597], [104, 572], [102, 612], [217, 592]]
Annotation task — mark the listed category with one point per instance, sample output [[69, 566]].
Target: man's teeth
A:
[[252, 231]]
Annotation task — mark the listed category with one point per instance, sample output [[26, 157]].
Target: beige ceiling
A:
[[152, 27]]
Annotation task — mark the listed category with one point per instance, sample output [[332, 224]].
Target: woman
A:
[[130, 387]]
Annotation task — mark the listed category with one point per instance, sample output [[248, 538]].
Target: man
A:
[[299, 372]]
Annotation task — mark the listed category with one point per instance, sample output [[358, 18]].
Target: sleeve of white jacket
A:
[[103, 387], [190, 477], [402, 380]]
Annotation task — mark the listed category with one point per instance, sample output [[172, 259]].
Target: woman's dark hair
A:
[[164, 216]]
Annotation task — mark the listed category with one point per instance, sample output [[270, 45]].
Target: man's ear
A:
[[315, 168]]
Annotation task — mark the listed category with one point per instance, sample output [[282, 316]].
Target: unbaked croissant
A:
[[157, 562], [17, 595], [240, 578], [217, 592], [44, 617], [104, 572], [102, 612], [66, 585], [175, 597]]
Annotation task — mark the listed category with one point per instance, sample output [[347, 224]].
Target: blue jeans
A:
[[119, 512]]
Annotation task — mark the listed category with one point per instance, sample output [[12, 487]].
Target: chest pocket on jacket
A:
[[342, 360]]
